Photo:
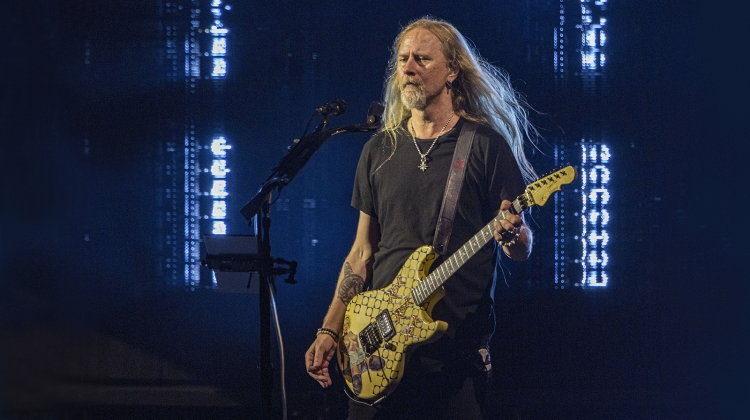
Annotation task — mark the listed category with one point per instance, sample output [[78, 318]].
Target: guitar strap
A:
[[453, 187]]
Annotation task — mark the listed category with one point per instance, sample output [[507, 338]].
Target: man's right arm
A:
[[355, 274]]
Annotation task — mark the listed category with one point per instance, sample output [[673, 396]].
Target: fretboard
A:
[[438, 276]]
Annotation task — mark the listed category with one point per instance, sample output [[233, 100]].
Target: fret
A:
[[435, 274], [444, 271], [453, 268]]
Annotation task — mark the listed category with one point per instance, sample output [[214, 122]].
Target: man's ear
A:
[[453, 73]]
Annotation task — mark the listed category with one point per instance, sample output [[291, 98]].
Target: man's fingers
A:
[[310, 358], [317, 362], [314, 357], [322, 375]]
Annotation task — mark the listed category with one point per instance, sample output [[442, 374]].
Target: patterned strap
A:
[[453, 187]]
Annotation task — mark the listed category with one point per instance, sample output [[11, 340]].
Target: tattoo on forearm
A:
[[351, 284]]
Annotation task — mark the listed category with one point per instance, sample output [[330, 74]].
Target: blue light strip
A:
[[561, 203], [217, 213], [192, 209], [593, 39], [192, 45], [558, 37], [218, 40], [219, 171], [595, 196], [196, 187]]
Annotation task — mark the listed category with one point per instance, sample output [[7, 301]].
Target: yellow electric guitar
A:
[[381, 326]]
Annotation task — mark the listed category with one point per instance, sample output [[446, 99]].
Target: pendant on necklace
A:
[[423, 165]]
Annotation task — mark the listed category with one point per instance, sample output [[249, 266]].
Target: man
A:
[[436, 83]]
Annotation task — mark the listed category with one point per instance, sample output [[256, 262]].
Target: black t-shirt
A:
[[406, 202]]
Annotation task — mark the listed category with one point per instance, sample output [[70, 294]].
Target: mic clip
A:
[[335, 107]]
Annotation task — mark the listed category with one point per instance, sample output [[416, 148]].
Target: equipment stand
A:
[[265, 268], [258, 208]]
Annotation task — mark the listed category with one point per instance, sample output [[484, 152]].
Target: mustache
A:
[[413, 81]]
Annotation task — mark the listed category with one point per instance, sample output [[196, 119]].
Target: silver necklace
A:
[[423, 163]]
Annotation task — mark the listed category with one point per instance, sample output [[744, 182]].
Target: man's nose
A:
[[408, 66]]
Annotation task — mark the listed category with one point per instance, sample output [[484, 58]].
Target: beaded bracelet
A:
[[328, 331]]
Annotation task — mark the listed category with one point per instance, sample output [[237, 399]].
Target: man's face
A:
[[422, 68]]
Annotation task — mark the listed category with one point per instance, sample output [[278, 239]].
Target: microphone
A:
[[335, 107], [375, 115], [374, 120]]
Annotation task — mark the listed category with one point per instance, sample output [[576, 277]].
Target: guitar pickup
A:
[[373, 335], [386, 325]]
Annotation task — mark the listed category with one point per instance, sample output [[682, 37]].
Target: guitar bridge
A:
[[378, 331]]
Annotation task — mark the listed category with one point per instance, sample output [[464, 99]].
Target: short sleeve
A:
[[362, 194]]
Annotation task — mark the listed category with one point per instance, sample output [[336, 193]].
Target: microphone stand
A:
[[256, 212]]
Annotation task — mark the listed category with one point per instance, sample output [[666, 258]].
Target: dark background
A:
[[89, 331]]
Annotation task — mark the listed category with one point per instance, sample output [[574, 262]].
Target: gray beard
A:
[[414, 99]]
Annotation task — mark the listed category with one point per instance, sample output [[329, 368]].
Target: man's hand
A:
[[514, 234], [505, 230], [318, 358]]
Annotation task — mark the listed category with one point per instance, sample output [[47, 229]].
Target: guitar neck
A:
[[536, 194], [437, 277]]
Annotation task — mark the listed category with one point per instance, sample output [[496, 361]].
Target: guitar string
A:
[[434, 281]]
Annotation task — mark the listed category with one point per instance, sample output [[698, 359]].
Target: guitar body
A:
[[381, 327]]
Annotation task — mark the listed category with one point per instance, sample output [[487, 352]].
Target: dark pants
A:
[[430, 390]]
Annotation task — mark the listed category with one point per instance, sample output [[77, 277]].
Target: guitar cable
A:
[[281, 350]]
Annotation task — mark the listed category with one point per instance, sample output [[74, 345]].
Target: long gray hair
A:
[[481, 92]]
